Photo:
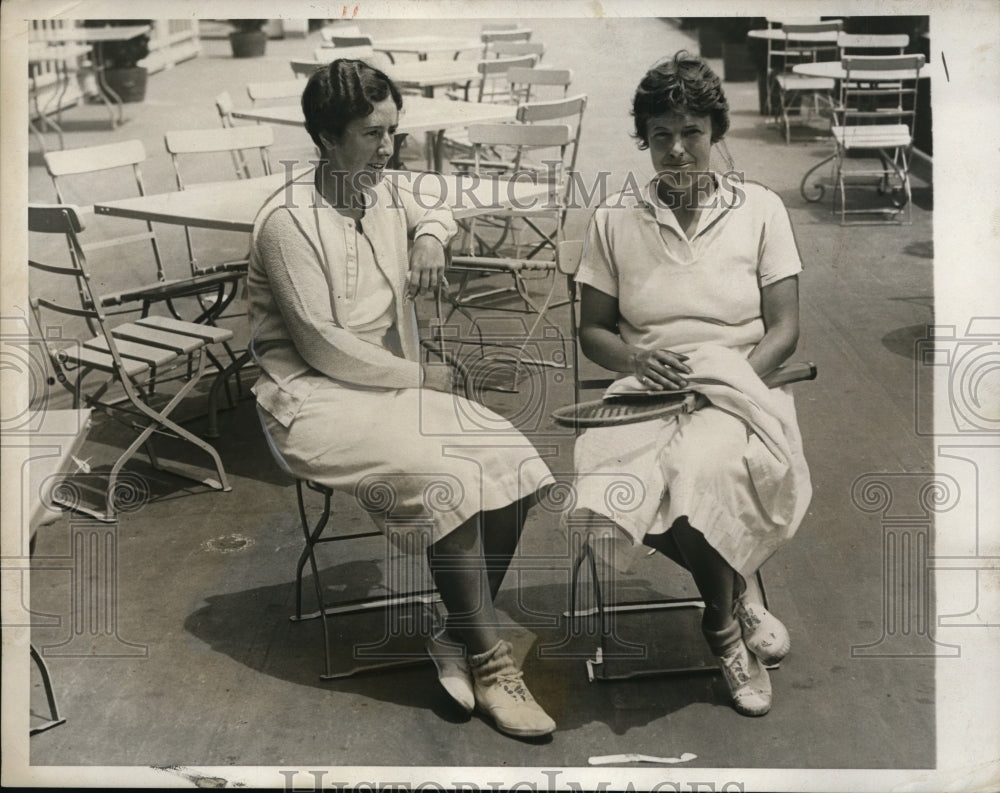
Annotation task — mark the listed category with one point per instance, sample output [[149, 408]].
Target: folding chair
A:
[[514, 49], [199, 145], [225, 107], [572, 108], [802, 43], [875, 119], [195, 143], [82, 171], [501, 162], [67, 168], [313, 532], [140, 356], [492, 86], [490, 38], [612, 648], [527, 83], [488, 239]]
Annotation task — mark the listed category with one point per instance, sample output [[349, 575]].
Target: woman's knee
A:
[[460, 541]]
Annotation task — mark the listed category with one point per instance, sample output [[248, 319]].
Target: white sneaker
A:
[[500, 691], [764, 634], [747, 679]]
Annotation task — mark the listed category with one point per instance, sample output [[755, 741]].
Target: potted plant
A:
[[248, 40], [120, 59]]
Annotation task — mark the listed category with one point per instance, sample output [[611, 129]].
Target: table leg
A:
[[43, 113], [111, 100], [821, 190], [435, 151]]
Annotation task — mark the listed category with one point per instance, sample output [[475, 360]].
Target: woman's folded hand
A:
[[427, 263], [661, 370]]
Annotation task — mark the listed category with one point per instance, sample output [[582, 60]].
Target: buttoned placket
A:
[[351, 246]]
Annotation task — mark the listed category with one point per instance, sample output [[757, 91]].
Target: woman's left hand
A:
[[426, 265]]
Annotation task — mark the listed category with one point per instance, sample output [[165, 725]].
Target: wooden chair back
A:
[[493, 81], [860, 43], [210, 141], [556, 110], [513, 49], [274, 89], [225, 107], [127, 155]]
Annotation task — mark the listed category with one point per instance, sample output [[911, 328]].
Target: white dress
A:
[[686, 294], [326, 293]]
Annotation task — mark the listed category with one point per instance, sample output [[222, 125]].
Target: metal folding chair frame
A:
[[313, 534]]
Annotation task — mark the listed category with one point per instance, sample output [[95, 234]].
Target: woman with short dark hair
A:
[[346, 402], [694, 284]]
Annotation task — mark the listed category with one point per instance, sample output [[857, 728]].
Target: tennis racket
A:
[[631, 408]]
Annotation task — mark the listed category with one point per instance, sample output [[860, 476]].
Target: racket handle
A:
[[790, 373]]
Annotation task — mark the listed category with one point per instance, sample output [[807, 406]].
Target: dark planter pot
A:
[[129, 83], [737, 65], [249, 44]]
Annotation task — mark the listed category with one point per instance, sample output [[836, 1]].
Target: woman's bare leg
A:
[[459, 571], [712, 574], [501, 533], [667, 545]]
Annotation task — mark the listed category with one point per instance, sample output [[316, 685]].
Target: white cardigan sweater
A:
[[297, 290]]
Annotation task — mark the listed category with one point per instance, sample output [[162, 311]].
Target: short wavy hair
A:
[[342, 92], [684, 84]]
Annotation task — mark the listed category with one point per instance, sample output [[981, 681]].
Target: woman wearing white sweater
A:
[[347, 403]]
